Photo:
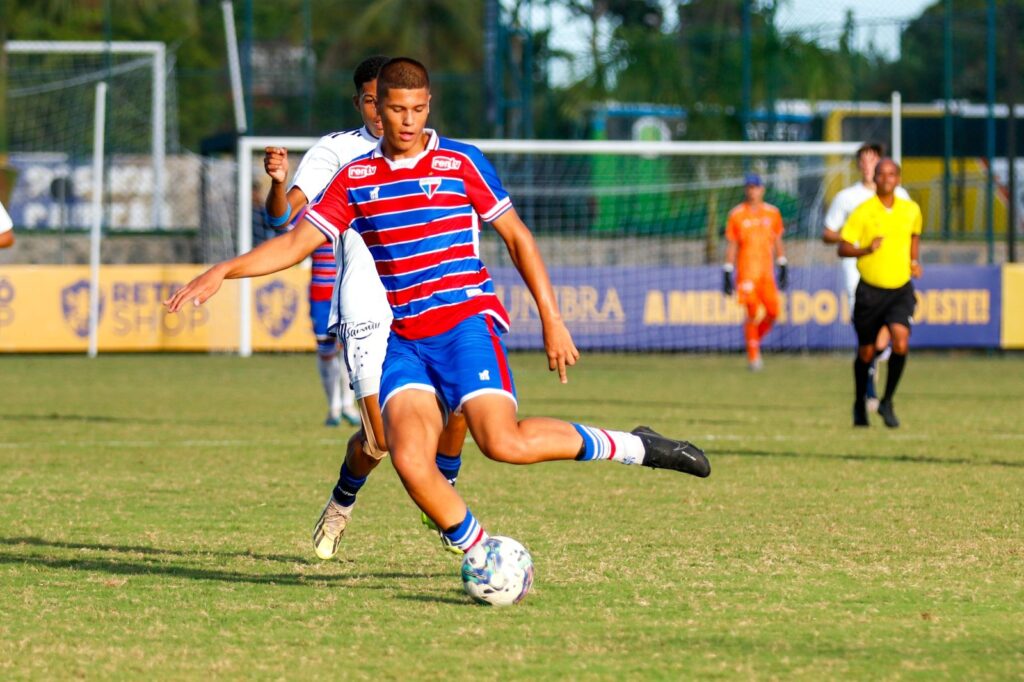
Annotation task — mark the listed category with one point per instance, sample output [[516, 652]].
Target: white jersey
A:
[[359, 297], [5, 220], [838, 212]]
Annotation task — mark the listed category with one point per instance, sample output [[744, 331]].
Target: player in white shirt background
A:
[[6, 229], [360, 317], [838, 211]]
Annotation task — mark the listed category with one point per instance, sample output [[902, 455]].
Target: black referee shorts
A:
[[874, 308]]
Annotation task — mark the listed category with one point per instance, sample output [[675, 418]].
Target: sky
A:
[[878, 24]]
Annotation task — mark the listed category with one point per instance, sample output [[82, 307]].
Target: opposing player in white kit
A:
[[838, 211], [6, 229], [358, 315]]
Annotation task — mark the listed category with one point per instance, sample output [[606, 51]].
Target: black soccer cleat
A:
[[666, 453], [860, 413], [888, 414]]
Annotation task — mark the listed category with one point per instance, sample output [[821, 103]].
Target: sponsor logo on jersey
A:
[[361, 171], [358, 330], [444, 163], [429, 186], [375, 194], [485, 375], [74, 305], [276, 306]]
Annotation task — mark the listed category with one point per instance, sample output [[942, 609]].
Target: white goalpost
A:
[[639, 206], [152, 51]]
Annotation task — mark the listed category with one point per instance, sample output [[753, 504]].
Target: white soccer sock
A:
[[330, 378], [617, 446], [348, 396]]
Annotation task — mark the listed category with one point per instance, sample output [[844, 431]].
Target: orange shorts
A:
[[753, 293]]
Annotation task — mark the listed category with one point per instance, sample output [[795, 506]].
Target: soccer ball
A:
[[497, 571]]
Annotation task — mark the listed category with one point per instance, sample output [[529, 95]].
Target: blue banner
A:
[[675, 308]]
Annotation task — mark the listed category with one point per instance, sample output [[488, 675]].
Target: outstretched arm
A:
[[522, 248], [270, 256]]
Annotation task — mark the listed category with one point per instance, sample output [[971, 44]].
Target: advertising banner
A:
[[668, 308], [45, 309]]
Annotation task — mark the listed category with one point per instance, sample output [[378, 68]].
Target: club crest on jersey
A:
[[429, 186], [361, 171], [444, 163]]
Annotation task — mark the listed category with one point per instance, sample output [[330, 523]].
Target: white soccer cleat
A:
[[329, 528]]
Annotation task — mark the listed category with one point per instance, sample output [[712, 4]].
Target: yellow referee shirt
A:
[[889, 266]]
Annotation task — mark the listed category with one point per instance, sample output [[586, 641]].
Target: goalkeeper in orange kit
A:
[[754, 235]]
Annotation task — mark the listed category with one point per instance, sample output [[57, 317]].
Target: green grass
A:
[[155, 514]]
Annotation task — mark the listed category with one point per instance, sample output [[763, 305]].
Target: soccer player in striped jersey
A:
[[359, 316], [417, 200]]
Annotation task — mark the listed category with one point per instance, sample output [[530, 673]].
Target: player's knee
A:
[[900, 345]]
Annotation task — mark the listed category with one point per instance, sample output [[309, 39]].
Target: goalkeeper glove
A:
[[727, 279], [783, 271]]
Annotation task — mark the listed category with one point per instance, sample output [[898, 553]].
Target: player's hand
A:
[[275, 163], [876, 244], [915, 269], [783, 276], [198, 291], [560, 348], [727, 287]]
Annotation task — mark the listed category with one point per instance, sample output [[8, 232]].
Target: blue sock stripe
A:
[[449, 466], [589, 449], [465, 532]]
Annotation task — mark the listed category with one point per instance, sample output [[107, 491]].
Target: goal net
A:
[[49, 91], [633, 237]]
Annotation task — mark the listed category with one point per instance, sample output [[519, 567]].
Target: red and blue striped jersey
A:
[[420, 218]]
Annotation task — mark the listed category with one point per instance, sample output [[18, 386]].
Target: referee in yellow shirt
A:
[[883, 234]]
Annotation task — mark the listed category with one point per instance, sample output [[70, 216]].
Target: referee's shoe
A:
[[860, 413], [888, 414]]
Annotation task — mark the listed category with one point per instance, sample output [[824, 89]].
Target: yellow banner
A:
[[1013, 306], [46, 309]]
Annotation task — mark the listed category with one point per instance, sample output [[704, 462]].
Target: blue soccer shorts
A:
[[466, 361], [319, 314]]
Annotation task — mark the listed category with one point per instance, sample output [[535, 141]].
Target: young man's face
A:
[[366, 103], [404, 114], [866, 162], [754, 193], [887, 177]]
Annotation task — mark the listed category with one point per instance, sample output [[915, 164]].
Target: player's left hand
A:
[[783, 276], [915, 269], [560, 348], [198, 290]]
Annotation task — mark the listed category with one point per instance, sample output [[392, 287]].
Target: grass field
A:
[[155, 514]]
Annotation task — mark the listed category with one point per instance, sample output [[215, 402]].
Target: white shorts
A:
[[365, 344], [851, 276]]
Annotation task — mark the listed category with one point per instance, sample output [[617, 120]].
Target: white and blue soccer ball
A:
[[497, 571]]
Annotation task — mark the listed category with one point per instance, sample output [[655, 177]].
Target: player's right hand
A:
[[198, 290], [275, 163], [727, 287], [561, 350], [876, 244]]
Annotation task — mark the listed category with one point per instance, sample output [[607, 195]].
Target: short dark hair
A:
[[368, 70], [403, 73], [884, 160], [876, 147]]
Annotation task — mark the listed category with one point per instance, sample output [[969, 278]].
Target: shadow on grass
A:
[[155, 551], [120, 566], [90, 419], [901, 459]]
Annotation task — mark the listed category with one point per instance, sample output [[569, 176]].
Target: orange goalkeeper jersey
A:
[[754, 231]]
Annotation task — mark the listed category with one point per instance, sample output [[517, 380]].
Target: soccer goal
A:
[[632, 233], [49, 93]]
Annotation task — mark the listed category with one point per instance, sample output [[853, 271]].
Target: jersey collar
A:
[[432, 143], [365, 133]]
